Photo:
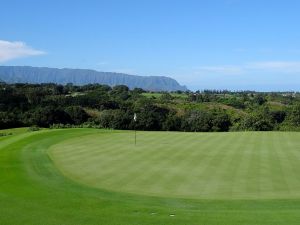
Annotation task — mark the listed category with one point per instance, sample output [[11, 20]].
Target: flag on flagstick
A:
[[134, 118]]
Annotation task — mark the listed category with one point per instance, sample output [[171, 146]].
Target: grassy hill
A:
[[90, 176]]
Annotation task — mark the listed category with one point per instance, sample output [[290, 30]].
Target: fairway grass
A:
[[89, 176]]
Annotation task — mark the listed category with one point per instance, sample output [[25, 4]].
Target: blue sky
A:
[[212, 44]]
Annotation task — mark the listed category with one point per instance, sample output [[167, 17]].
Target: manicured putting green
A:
[[250, 165]]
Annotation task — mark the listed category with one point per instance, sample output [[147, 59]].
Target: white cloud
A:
[[265, 66], [226, 69], [276, 66], [13, 50]]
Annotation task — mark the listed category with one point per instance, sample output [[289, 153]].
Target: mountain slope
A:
[[27, 74]]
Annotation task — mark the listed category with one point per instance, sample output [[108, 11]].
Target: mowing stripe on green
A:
[[252, 165]]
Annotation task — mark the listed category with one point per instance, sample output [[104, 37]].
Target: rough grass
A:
[[182, 96], [13, 131], [215, 178]]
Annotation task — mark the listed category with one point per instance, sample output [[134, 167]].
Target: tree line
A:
[[101, 106]]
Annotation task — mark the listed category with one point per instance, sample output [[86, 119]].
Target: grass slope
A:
[[242, 178]]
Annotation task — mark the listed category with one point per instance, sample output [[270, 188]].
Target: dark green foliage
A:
[[116, 119], [44, 117], [293, 116], [278, 116], [9, 120], [138, 91], [197, 121], [205, 121], [95, 105], [261, 120], [150, 116], [259, 99], [221, 121], [77, 114], [172, 123]]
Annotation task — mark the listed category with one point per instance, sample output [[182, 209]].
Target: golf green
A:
[[192, 165], [90, 176]]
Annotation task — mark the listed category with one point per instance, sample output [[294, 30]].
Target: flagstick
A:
[[134, 119], [134, 137]]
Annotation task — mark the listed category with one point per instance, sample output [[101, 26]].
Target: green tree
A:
[[77, 114]]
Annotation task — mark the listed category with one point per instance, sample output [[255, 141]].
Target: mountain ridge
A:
[[29, 74]]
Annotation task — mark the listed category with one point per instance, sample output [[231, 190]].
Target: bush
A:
[[172, 123], [197, 120], [33, 128], [256, 122], [5, 134], [77, 114], [45, 117]]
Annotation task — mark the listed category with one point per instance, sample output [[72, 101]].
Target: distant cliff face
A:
[[34, 75]]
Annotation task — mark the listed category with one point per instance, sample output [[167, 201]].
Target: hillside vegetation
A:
[[100, 106]]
